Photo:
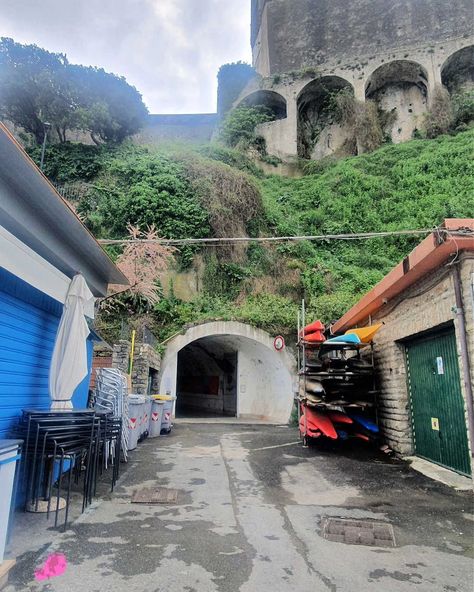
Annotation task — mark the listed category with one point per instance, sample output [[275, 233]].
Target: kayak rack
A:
[[337, 390]]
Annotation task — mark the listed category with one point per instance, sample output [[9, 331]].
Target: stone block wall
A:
[[121, 356], [292, 34], [146, 363], [424, 306]]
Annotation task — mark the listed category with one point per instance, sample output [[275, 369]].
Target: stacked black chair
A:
[[62, 446]]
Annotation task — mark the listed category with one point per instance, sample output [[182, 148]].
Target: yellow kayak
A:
[[366, 334]]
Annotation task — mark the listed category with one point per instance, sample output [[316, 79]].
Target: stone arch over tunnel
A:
[[229, 369], [274, 102], [457, 73], [400, 89], [319, 133]]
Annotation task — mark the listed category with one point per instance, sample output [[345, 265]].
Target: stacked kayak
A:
[[337, 393]]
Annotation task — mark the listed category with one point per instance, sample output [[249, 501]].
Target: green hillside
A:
[[213, 191]]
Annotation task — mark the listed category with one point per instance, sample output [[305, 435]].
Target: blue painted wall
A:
[[29, 321]]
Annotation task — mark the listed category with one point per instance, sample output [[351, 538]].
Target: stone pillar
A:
[[144, 360], [433, 69], [121, 356], [291, 139], [359, 90]]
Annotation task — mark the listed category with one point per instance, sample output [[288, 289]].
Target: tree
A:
[[37, 86], [110, 108], [232, 79], [33, 88]]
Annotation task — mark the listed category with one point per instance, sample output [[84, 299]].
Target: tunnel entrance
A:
[[207, 378], [226, 368]]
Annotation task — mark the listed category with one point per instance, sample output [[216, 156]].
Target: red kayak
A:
[[317, 326], [316, 337], [318, 422], [339, 417], [309, 431]]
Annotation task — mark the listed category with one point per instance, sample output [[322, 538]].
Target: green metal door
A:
[[437, 405]]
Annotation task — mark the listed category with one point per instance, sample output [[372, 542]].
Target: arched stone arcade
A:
[[229, 369]]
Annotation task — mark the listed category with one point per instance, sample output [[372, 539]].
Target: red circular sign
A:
[[279, 343]]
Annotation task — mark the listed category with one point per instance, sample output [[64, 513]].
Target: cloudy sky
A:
[[169, 49]]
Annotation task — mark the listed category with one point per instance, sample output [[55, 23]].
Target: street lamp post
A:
[[45, 137]]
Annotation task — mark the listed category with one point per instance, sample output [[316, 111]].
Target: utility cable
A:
[[277, 239]]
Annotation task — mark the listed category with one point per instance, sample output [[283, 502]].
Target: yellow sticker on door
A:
[[435, 423]]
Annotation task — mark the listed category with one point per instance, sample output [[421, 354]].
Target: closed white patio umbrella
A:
[[69, 362]]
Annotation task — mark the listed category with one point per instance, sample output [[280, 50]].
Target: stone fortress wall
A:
[[394, 52]]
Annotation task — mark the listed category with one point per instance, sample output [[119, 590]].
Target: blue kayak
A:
[[365, 423], [349, 339]]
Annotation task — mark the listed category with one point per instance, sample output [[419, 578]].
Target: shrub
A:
[[440, 116], [463, 106], [238, 128]]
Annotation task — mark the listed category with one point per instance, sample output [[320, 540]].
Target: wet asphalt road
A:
[[249, 518]]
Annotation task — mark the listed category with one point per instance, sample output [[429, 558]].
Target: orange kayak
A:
[[366, 334]]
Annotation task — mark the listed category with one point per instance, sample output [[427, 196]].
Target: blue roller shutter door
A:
[[27, 335]]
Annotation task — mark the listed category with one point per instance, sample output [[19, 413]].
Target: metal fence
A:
[[73, 192]]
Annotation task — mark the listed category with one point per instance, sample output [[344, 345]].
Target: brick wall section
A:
[[99, 361], [424, 306]]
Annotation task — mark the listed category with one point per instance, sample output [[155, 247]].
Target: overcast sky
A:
[[169, 49]]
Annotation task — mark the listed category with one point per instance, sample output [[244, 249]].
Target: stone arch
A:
[[400, 89], [270, 99], [457, 72], [264, 378], [319, 134]]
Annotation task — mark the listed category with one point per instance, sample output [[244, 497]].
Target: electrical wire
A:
[[274, 239]]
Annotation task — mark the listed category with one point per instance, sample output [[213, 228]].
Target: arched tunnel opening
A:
[[207, 378], [228, 369]]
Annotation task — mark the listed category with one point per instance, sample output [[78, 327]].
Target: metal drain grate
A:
[[359, 532], [155, 495]]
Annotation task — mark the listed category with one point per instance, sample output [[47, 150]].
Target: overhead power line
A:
[[275, 239]]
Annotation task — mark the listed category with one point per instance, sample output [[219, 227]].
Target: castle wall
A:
[[401, 79], [289, 35], [194, 128]]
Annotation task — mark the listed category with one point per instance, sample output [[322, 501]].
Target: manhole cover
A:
[[155, 495], [359, 532]]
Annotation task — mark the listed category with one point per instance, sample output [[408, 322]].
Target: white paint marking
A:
[[273, 447]]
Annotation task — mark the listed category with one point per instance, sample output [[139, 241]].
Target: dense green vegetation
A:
[[214, 191], [408, 186]]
